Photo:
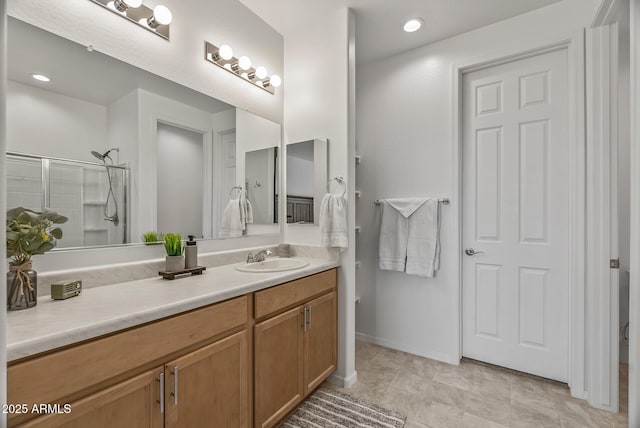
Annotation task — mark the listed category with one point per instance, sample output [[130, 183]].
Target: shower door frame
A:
[[45, 165]]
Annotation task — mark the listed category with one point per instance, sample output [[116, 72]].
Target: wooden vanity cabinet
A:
[[246, 361], [295, 350], [112, 382]]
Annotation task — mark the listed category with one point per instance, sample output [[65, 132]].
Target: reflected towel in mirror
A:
[[231, 225]]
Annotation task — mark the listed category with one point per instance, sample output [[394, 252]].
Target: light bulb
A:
[[225, 52], [123, 5], [413, 24], [41, 77], [275, 81], [161, 16], [261, 72], [244, 62]]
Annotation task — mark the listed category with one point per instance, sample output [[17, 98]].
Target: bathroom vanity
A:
[[227, 349]]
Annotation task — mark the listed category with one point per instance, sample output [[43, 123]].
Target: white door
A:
[[515, 215]]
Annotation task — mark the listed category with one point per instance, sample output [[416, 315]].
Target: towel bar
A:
[[444, 201]]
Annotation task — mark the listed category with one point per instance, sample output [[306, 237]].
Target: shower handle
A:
[[472, 252]]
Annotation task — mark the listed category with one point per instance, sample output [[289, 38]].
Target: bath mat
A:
[[328, 408]]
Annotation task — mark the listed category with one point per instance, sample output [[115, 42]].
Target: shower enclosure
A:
[[92, 195]]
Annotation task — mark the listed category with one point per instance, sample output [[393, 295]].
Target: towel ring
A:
[[238, 188], [340, 180]]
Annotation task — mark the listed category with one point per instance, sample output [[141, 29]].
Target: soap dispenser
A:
[[191, 253]]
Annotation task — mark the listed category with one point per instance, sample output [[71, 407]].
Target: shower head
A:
[[98, 155], [105, 155]]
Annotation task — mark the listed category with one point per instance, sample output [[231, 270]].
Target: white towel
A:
[[246, 210], [333, 221], [231, 225], [410, 236]]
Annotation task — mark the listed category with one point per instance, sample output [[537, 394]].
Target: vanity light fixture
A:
[[242, 67], [122, 5], [41, 77], [413, 25], [156, 20]]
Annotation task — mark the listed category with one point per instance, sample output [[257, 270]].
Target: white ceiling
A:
[[379, 23]]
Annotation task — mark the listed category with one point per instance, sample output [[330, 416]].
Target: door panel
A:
[[278, 365], [515, 215], [132, 403], [320, 341], [212, 385]]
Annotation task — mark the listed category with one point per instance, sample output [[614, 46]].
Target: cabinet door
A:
[[132, 403], [210, 386], [278, 367], [320, 341]]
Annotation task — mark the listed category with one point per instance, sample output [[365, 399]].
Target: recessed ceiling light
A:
[[41, 77], [413, 24]]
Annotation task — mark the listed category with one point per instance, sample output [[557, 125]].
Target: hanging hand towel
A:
[[333, 221], [409, 236], [231, 225], [394, 232], [423, 243]]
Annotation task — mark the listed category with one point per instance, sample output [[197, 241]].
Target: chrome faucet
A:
[[259, 256]]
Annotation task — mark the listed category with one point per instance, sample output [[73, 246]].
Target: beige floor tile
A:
[[432, 394], [523, 416], [410, 423], [473, 421], [438, 415], [407, 403], [445, 394], [491, 408], [407, 380], [532, 393], [457, 376]]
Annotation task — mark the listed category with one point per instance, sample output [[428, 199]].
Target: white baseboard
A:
[[344, 382], [438, 356]]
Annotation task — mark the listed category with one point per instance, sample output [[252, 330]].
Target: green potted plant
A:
[[28, 233], [175, 252], [151, 238]]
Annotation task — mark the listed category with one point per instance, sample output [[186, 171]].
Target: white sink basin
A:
[[273, 265]]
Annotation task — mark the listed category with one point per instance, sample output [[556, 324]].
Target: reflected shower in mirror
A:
[[306, 180]]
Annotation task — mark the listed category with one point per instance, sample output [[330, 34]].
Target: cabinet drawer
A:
[[280, 297], [68, 371]]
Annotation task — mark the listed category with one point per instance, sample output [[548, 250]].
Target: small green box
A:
[[64, 290]]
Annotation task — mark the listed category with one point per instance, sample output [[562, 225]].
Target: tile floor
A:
[[437, 395]]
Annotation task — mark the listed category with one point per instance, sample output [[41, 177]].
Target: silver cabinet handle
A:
[[305, 319], [161, 393], [309, 317], [472, 252], [175, 385]]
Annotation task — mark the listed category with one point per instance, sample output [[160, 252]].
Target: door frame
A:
[[574, 43]]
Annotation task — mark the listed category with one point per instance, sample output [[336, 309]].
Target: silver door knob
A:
[[472, 252]]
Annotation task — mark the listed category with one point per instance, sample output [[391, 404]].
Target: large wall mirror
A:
[[122, 152], [306, 180]]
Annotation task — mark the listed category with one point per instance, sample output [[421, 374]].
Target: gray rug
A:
[[330, 408]]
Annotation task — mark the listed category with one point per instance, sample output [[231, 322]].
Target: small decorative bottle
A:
[[191, 253]]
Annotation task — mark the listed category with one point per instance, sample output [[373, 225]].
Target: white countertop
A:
[[102, 310]]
